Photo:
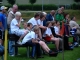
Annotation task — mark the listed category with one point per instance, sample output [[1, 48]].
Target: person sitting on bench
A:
[[49, 36], [33, 36], [15, 26]]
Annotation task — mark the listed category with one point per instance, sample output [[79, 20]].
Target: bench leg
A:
[[28, 51]]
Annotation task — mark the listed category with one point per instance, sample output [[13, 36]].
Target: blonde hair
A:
[[17, 14], [36, 28]]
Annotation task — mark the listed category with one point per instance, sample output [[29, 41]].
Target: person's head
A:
[[36, 29], [62, 8], [3, 9], [53, 23], [59, 11], [37, 16], [10, 9], [49, 24], [29, 25], [66, 16], [25, 25], [18, 15], [52, 12], [42, 17], [44, 13], [73, 18], [15, 8], [57, 23]]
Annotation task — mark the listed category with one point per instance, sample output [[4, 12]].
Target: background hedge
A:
[[47, 7]]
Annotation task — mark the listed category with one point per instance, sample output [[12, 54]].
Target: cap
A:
[[3, 7]]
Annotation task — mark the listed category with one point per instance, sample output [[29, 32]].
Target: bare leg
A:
[[40, 35], [22, 36], [44, 46], [56, 42]]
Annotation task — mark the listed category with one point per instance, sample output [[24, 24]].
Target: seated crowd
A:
[[55, 27]]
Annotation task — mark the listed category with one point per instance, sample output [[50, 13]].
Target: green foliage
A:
[[11, 2], [37, 7], [75, 6], [77, 1], [32, 1]]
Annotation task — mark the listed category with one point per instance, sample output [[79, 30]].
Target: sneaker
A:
[[53, 54], [12, 55], [19, 42], [75, 44], [78, 59]]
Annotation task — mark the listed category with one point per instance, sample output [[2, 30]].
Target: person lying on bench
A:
[[33, 36]]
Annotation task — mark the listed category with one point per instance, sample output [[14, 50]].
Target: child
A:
[[33, 36], [49, 37], [57, 28], [27, 27]]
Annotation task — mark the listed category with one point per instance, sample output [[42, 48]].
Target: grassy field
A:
[[68, 55]]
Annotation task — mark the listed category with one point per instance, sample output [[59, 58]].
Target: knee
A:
[[42, 43]]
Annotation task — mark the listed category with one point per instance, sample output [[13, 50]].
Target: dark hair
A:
[[66, 15], [72, 17], [48, 23], [29, 24], [37, 14], [41, 15], [53, 22]]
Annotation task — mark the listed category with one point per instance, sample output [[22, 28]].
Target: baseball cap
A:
[[3, 7]]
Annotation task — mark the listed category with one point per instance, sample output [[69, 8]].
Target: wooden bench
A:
[[14, 38]]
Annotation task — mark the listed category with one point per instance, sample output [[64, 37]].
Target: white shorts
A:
[[18, 32]]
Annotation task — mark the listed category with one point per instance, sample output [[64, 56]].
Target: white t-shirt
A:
[[48, 32], [56, 29], [31, 35], [40, 22], [33, 21], [13, 24]]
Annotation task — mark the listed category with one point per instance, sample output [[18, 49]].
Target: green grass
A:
[[68, 55]]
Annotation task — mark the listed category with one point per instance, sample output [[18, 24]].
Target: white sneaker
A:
[[19, 42], [12, 55]]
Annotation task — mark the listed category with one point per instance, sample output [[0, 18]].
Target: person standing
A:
[[11, 16], [2, 28]]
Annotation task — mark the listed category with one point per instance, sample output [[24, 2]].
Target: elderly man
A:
[[11, 14], [50, 17]]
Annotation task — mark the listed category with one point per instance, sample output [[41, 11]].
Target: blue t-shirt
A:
[[3, 19]]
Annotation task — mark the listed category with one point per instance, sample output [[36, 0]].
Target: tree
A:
[[11, 2], [77, 1], [32, 2]]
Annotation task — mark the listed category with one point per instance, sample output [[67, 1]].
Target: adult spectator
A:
[[11, 14], [3, 19], [50, 17], [59, 16], [75, 29], [34, 22], [2, 27]]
